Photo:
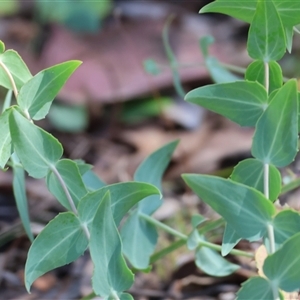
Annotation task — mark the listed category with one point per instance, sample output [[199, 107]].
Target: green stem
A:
[[184, 237], [272, 250], [266, 166], [114, 295], [211, 225], [271, 238], [233, 68], [267, 76], [164, 252], [11, 79], [290, 186], [270, 227], [296, 30], [69, 198], [266, 180], [65, 189], [163, 226], [171, 57]]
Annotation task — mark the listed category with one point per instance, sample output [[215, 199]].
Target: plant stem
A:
[[160, 254], [266, 166], [272, 250], [270, 227], [163, 226], [296, 30], [115, 295], [290, 186], [233, 68], [266, 180], [271, 238], [267, 76], [11, 79], [171, 57], [184, 237], [69, 198], [64, 187]]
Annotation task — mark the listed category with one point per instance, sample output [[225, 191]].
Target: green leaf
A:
[[242, 102], [69, 118], [79, 16], [139, 240], [92, 181], [7, 100], [212, 263], [20, 194], [286, 223], [125, 296], [36, 149], [123, 197], [137, 231], [2, 47], [230, 239], [298, 96], [289, 12], [242, 10], [44, 87], [251, 172], [151, 171], [276, 136], [197, 220], [283, 266], [266, 37], [82, 166], [16, 66], [216, 71], [5, 141], [289, 34], [256, 72], [256, 288], [193, 240], [60, 242], [10, 8], [151, 67], [245, 209], [111, 274], [139, 110], [69, 172]]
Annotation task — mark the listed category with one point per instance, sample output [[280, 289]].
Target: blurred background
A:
[[125, 101]]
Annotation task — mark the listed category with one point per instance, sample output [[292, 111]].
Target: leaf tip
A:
[[28, 283], [2, 47]]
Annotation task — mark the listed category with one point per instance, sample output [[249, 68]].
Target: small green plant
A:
[[115, 221], [246, 200], [94, 210]]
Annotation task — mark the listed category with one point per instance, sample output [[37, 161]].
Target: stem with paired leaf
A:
[[64, 187], [11, 79], [270, 227], [266, 171], [184, 237], [69, 197], [14, 86], [266, 166]]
